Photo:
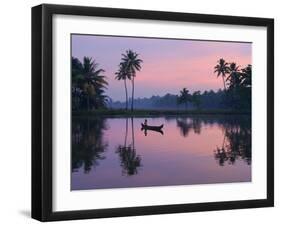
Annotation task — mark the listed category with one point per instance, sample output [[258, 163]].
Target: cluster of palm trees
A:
[[237, 82], [88, 85], [185, 97], [129, 65], [234, 76]]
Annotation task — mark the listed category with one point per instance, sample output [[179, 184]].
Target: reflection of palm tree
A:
[[130, 161], [196, 125], [184, 127], [221, 155], [87, 143], [187, 124], [133, 132], [237, 144]]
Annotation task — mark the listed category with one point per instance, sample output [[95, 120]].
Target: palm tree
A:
[[234, 75], [184, 97], [94, 82], [132, 64], [221, 69], [246, 76], [122, 75], [77, 80]]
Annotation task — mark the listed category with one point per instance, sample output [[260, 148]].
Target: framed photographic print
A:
[[145, 112]]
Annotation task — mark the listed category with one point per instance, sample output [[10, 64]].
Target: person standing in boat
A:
[[145, 122]]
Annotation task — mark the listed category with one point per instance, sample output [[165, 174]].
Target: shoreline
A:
[[149, 112]]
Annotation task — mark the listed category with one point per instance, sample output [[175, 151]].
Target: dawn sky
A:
[[168, 65]]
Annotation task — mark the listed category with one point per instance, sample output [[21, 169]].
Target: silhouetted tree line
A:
[[89, 85], [196, 100]]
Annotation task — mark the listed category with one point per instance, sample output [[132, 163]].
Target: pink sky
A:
[[168, 64]]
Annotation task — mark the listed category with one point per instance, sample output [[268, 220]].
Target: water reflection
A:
[[88, 146], [190, 144], [186, 124], [130, 160], [236, 143]]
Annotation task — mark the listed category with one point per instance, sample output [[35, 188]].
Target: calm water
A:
[[116, 153]]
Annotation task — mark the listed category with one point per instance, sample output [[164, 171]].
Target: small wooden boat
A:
[[156, 128]]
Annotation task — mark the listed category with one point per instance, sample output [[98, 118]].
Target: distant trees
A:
[[196, 99], [184, 97], [88, 85], [130, 64]]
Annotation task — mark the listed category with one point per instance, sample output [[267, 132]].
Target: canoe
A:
[[151, 127]]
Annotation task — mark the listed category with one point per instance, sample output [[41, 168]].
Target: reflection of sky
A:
[[168, 159], [168, 66]]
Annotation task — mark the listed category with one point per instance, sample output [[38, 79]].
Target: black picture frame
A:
[[42, 111]]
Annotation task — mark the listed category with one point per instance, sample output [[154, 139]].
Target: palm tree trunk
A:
[[126, 94], [223, 83], [133, 90]]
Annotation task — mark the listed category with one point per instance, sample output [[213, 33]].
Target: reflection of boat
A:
[[156, 128]]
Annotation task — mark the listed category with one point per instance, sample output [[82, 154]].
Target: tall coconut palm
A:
[[221, 69], [122, 75], [132, 64], [94, 82]]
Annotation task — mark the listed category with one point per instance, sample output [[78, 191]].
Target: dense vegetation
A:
[[206, 100], [89, 85]]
